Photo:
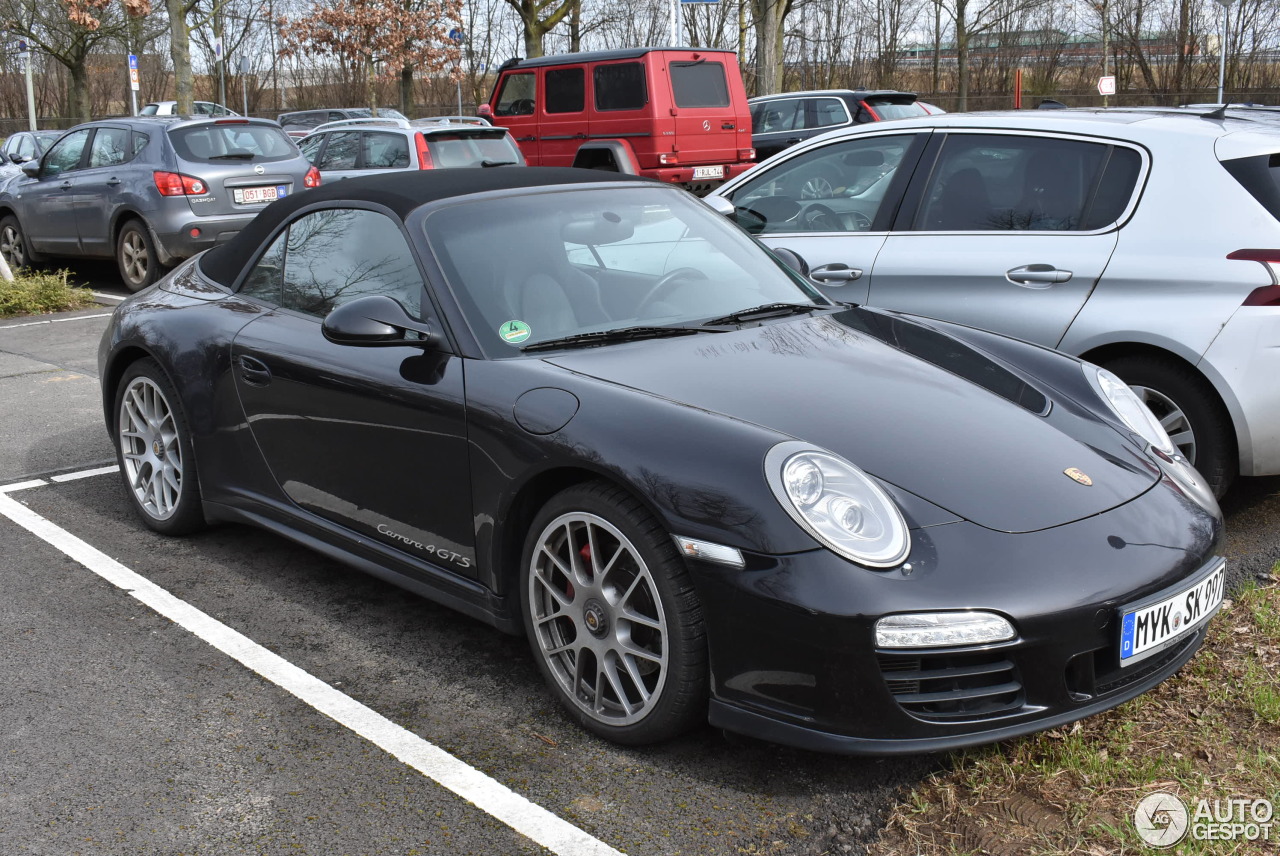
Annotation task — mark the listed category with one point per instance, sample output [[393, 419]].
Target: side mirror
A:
[[485, 110], [792, 259], [17, 158], [720, 205], [375, 321], [30, 169]]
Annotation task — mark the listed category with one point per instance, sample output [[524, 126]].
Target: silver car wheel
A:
[[12, 248], [1175, 422], [150, 447], [135, 258], [598, 619], [817, 187]]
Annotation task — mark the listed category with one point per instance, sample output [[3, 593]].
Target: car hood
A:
[[906, 403]]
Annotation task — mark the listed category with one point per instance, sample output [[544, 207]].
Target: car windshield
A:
[[44, 138], [229, 141], [590, 261], [149, 110]]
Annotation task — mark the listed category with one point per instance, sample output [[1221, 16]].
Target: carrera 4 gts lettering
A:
[[439, 552]]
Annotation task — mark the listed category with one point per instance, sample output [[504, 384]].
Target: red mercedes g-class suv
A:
[[679, 115]]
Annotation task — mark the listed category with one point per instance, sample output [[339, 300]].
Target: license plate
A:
[[1147, 630], [251, 195], [708, 172]]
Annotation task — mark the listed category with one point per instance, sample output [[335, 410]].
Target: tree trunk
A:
[[406, 89], [962, 58], [80, 104], [370, 90], [769, 23], [937, 46], [575, 26], [180, 53]]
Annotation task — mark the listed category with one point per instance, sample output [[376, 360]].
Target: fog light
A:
[[707, 551], [942, 630], [195, 233]]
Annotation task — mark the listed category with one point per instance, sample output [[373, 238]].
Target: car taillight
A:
[[746, 154], [177, 184], [1267, 295], [231, 121], [424, 153], [312, 178], [669, 157]]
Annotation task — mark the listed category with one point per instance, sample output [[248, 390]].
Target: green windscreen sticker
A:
[[514, 332]]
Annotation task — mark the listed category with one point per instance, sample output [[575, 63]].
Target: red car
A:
[[679, 115]]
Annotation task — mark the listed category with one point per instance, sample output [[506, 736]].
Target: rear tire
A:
[[136, 256], [13, 244], [1190, 411]]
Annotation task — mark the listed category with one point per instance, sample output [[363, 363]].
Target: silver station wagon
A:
[[1144, 241]]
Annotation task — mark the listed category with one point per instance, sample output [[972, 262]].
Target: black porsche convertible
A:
[[585, 408]]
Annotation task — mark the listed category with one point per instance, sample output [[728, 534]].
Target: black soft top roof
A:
[[401, 192]]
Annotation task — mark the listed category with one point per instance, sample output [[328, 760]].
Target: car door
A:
[[1006, 231], [564, 126], [46, 203], [372, 439], [776, 124], [98, 188], [341, 156], [832, 204], [516, 109]]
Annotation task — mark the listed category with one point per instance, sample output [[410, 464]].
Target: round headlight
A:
[[838, 504], [1126, 405]]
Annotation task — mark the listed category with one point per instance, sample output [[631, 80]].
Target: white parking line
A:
[[54, 321], [490, 796], [84, 474]]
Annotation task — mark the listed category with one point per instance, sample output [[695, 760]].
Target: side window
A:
[[990, 182], [341, 151], [785, 114], [140, 141], [566, 90], [518, 96], [836, 188], [334, 116], [828, 112], [27, 147], [620, 86], [266, 280], [65, 154], [109, 147], [386, 151], [336, 255], [310, 146]]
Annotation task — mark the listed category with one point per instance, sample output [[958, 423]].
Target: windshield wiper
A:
[[622, 334], [232, 156], [497, 163], [768, 310]]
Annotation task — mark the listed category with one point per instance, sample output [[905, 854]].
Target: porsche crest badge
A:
[[1076, 475]]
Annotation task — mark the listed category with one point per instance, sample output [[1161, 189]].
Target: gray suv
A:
[[150, 192], [1146, 242]]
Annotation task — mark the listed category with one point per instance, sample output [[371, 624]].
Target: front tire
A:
[[612, 617], [13, 244], [136, 256], [1197, 422], [153, 448]]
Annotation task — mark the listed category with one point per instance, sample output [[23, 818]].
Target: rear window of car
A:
[[892, 110], [230, 142], [474, 149], [699, 84], [1260, 175], [149, 110]]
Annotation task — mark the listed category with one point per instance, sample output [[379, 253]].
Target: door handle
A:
[[66, 185], [1037, 276], [835, 273], [793, 140], [113, 181], [254, 371]]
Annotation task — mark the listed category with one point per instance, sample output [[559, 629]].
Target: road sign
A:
[[217, 48], [1107, 85], [133, 72], [457, 35]]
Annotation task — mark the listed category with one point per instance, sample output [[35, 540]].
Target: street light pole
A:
[[1222, 49]]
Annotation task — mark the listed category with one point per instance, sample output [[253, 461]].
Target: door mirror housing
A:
[[376, 321], [31, 169], [792, 259], [485, 110], [720, 205]]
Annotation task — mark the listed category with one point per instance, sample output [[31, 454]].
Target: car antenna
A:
[[1220, 113]]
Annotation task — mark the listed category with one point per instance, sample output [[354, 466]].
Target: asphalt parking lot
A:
[[290, 705]]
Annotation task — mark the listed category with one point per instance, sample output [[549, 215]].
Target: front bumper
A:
[[794, 662]]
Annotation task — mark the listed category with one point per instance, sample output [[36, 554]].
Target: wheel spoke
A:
[[611, 675], [559, 596], [635, 650], [633, 672]]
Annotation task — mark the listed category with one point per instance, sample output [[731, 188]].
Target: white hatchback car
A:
[[1146, 242]]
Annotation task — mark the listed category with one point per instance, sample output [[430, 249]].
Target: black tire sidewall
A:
[[189, 516], [12, 219], [683, 703], [153, 263], [1216, 455]]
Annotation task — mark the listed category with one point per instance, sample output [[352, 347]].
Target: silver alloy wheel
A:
[[135, 257], [150, 447], [1175, 422], [817, 187], [598, 619], [12, 248]]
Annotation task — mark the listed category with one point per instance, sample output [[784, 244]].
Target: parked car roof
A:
[[599, 56]]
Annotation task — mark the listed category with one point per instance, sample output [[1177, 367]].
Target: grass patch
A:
[[37, 292], [1210, 732]]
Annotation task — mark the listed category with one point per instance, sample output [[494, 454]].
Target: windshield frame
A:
[[470, 327]]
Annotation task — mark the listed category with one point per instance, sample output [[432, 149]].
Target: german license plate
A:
[[1148, 629], [708, 172], [251, 195]]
